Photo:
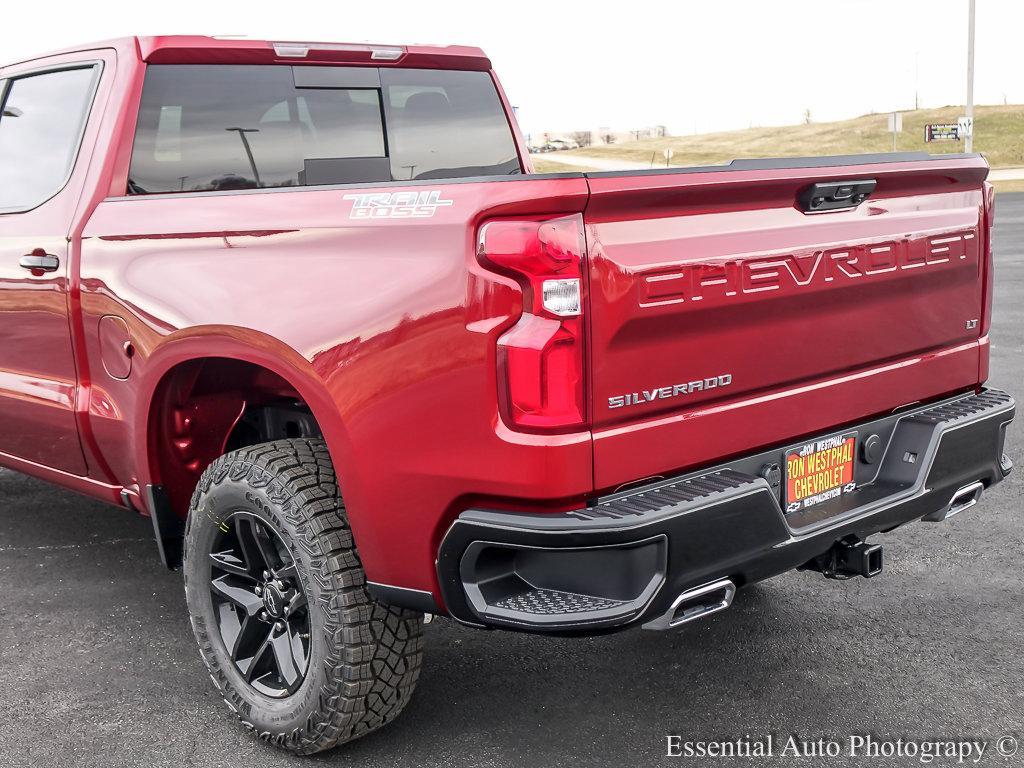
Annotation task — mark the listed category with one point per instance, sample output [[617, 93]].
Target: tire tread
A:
[[375, 651]]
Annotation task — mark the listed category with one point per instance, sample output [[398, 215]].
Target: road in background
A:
[[590, 163], [100, 667], [1005, 174]]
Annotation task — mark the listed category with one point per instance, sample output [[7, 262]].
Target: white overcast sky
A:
[[693, 66]]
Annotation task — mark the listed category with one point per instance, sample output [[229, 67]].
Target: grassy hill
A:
[[998, 133]]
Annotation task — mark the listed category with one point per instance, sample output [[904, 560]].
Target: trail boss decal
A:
[[397, 205], [664, 393]]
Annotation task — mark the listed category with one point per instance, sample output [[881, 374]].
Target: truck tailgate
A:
[[724, 318]]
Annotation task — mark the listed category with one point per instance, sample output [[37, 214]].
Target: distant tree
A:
[[807, 116], [609, 138], [581, 137]]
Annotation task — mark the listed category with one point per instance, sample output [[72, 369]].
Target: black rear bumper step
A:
[[644, 501], [627, 557]]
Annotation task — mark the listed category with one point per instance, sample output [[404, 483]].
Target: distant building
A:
[[595, 136]]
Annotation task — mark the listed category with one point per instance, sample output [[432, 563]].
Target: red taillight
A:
[[541, 358]]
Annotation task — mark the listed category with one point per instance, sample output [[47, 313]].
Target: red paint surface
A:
[[388, 329], [820, 320]]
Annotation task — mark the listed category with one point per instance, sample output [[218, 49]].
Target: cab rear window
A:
[[223, 127]]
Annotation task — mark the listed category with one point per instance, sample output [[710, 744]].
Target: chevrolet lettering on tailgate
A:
[[743, 277]]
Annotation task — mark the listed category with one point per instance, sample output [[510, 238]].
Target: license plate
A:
[[820, 471]]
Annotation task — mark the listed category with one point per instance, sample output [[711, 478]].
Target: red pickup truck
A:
[[307, 307]]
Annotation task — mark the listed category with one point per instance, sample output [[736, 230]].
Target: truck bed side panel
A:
[[390, 318]]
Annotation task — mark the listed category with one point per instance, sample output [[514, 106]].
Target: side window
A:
[[41, 128]]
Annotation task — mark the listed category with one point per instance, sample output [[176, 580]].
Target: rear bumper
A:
[[626, 558]]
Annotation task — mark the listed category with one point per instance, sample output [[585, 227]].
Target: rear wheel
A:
[[279, 606]]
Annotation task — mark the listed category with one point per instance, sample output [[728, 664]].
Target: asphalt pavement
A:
[[99, 667]]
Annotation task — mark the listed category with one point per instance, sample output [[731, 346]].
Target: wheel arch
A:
[[176, 365]]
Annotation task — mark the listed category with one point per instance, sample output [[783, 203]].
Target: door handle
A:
[[40, 262]]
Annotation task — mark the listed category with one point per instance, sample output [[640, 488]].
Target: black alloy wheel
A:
[[260, 607]]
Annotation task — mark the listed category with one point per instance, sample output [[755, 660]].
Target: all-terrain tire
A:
[[364, 657]]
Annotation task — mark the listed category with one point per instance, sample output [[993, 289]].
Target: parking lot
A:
[[100, 667]]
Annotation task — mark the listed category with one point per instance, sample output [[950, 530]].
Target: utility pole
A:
[[969, 141]]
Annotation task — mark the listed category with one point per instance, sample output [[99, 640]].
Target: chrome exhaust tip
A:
[[696, 603], [965, 498]]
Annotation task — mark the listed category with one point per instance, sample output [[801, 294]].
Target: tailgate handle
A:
[[828, 196]]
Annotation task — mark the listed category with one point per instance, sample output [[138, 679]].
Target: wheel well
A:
[[205, 408]]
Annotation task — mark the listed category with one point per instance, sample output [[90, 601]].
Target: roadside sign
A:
[[895, 126], [965, 125], [668, 154], [942, 132]]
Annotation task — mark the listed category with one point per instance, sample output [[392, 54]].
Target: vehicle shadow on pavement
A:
[[97, 653], [525, 694]]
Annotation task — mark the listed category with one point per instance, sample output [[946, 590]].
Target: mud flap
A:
[[168, 528]]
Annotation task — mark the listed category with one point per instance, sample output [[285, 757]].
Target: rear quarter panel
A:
[[386, 326]]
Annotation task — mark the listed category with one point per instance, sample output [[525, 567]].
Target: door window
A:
[[41, 126]]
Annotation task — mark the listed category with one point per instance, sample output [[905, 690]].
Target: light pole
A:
[[917, 90], [969, 140], [248, 150]]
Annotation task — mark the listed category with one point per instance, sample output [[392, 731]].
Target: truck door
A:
[[44, 114]]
